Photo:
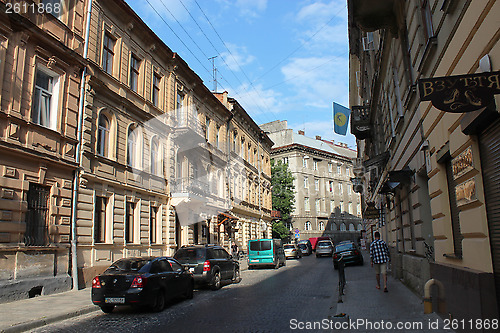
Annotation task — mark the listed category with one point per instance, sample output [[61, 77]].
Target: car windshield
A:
[[289, 246], [260, 245], [324, 243], [344, 247], [128, 265], [303, 246], [190, 255]]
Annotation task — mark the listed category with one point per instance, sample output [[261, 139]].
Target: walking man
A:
[[379, 257]]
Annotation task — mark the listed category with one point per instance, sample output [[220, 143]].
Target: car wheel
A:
[[284, 263], [159, 301], [216, 282], [190, 291], [107, 308], [236, 275]]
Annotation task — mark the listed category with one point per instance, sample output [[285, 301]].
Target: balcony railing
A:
[[360, 122], [190, 185], [187, 130]]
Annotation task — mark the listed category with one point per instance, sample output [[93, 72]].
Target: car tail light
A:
[[206, 266], [96, 283], [356, 252], [139, 282], [335, 256]]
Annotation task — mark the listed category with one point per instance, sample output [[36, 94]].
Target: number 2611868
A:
[[33, 8]]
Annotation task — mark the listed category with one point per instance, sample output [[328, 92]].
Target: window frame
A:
[[134, 72], [108, 50], [54, 94]]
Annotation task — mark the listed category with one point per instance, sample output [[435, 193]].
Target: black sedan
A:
[[149, 281], [349, 252]]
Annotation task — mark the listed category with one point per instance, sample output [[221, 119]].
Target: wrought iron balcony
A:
[[190, 185], [187, 131], [360, 122]]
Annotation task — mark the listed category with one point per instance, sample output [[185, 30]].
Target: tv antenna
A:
[[214, 72]]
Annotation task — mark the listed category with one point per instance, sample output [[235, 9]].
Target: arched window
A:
[[103, 129], [155, 158], [343, 227], [322, 225], [360, 227], [351, 227], [131, 147], [333, 226], [307, 226]]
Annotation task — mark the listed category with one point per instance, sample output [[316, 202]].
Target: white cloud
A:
[[318, 81], [257, 101], [320, 12], [251, 7], [237, 57]]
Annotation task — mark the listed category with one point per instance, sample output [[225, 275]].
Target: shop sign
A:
[[371, 212], [466, 192], [460, 93]]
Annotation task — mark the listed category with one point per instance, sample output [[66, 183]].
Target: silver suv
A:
[[324, 248]]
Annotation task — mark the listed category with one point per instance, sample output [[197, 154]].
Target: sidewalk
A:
[[377, 311], [28, 314]]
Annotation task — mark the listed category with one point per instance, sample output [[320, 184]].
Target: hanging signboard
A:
[[371, 212], [460, 93]]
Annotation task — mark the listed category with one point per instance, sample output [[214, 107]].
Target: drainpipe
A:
[[78, 156]]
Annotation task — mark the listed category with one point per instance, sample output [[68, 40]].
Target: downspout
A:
[[78, 156]]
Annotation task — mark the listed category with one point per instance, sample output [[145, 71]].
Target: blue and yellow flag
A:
[[340, 118]]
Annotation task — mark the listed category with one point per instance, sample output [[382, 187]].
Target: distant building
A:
[[325, 202]]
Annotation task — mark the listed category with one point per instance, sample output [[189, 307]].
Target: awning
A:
[[226, 217]]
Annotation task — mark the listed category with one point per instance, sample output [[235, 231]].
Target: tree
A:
[[283, 196]]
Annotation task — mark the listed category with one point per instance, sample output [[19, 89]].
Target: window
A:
[[342, 210], [37, 216], [155, 158], [242, 147], [350, 208], [307, 226], [315, 164], [349, 190], [129, 222], [54, 7], [306, 182], [103, 135], [153, 213], [322, 225], [454, 210], [207, 128], [318, 205], [307, 207], [108, 53], [330, 184], [339, 170], [100, 219], [235, 141], [155, 92], [285, 160], [340, 188], [425, 12], [347, 171], [131, 147], [352, 227], [332, 206], [304, 161], [217, 130], [46, 97], [134, 73], [343, 227], [180, 108], [330, 167], [316, 184]]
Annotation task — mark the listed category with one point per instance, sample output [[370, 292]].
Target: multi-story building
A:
[[325, 202], [40, 73], [431, 166], [249, 174]]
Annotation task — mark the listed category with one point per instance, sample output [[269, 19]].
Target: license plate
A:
[[191, 269], [114, 300], [254, 260]]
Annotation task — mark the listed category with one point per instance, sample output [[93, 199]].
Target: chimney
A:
[[318, 137], [301, 132]]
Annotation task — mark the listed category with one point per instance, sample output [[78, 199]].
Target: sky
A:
[[281, 59]]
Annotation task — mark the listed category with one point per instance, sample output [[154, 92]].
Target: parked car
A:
[[306, 250], [307, 243], [266, 252], [209, 264], [324, 248], [350, 253], [146, 281], [292, 251], [314, 241]]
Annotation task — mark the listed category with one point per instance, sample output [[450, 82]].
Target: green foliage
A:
[[283, 189], [280, 230]]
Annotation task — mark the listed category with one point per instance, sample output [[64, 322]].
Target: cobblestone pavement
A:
[[266, 300]]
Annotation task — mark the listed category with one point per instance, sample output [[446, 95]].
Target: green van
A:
[[266, 252]]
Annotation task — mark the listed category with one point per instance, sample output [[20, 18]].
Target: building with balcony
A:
[[430, 162], [325, 202], [40, 73]]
